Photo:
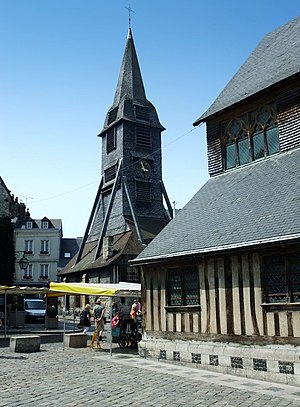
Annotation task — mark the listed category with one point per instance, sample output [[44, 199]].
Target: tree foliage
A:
[[7, 252]]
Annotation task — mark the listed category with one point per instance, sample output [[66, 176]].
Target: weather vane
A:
[[129, 15]]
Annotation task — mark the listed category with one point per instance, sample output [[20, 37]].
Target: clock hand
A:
[[143, 167]]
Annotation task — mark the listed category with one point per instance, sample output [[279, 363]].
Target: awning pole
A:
[[5, 313], [46, 305], [110, 318], [65, 303]]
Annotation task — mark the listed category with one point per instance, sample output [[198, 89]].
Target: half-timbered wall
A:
[[231, 317], [231, 304]]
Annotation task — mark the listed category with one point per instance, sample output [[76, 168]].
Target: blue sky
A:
[[60, 61]]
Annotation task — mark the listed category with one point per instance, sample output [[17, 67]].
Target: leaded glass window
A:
[[258, 146], [183, 286], [230, 156], [243, 147], [295, 276], [282, 278], [251, 137], [276, 284]]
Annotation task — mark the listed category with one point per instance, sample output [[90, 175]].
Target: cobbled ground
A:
[[84, 377]]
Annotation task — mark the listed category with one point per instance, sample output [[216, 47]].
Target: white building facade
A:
[[39, 241]]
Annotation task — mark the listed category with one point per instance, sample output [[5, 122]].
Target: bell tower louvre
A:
[[128, 211]]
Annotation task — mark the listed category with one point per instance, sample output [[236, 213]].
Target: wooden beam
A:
[[165, 195], [135, 219], [108, 211], [92, 215]]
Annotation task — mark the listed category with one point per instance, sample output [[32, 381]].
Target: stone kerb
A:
[[25, 344], [75, 340]]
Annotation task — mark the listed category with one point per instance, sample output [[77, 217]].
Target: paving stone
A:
[[81, 377]]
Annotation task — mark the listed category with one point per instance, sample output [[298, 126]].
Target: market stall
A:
[[63, 289], [16, 290], [102, 290]]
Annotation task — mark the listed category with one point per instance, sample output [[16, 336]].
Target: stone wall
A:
[[275, 363]]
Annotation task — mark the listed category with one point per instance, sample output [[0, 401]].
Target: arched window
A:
[[251, 137]]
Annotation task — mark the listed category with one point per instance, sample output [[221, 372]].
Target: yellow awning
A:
[[105, 290], [59, 289], [79, 289]]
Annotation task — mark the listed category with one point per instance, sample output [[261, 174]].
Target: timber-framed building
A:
[[221, 282]]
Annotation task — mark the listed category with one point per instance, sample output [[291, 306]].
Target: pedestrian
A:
[[116, 322], [98, 313], [85, 318], [134, 310], [133, 316], [114, 308]]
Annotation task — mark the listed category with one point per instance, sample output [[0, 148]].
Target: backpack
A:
[[81, 319]]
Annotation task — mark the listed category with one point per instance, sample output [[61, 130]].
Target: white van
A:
[[35, 309]]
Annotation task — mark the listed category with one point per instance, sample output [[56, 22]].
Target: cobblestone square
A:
[[85, 377]]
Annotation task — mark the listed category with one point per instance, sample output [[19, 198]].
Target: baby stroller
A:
[[129, 334]]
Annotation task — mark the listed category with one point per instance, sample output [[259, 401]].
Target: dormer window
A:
[[45, 225], [251, 137], [29, 225]]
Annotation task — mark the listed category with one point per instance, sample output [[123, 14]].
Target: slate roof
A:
[[68, 245], [275, 58], [251, 205], [125, 246], [54, 223], [37, 223]]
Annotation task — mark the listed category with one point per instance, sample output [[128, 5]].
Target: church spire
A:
[[130, 83], [130, 92]]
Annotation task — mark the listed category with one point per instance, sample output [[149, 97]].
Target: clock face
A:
[[142, 169]]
